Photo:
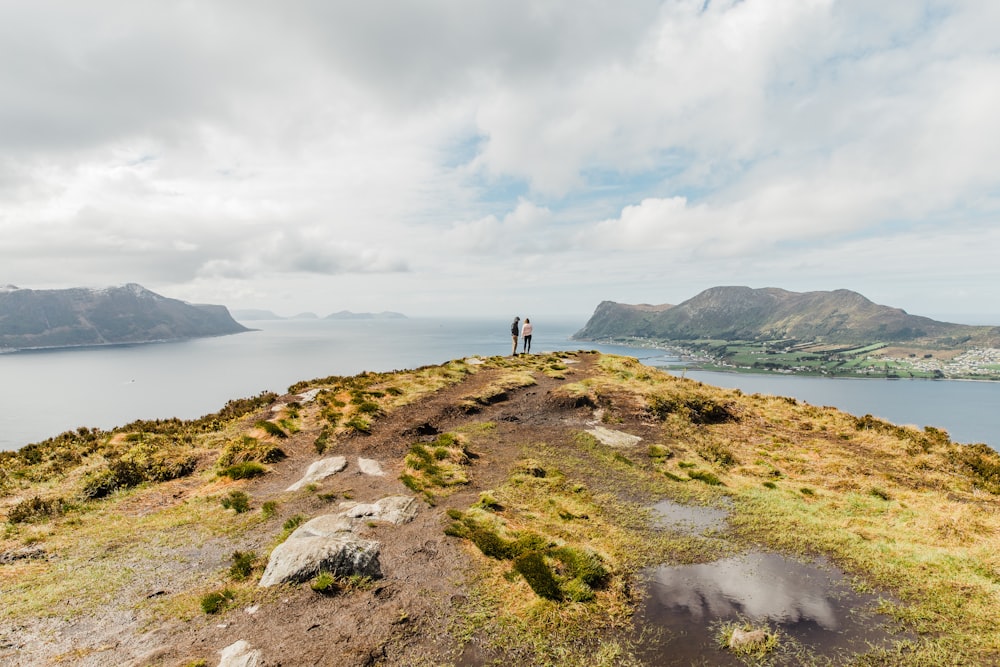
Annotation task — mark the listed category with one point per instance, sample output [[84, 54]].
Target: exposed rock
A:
[[240, 654], [305, 554], [320, 470], [309, 396], [611, 438], [743, 639], [370, 467], [394, 509], [23, 553], [328, 543]]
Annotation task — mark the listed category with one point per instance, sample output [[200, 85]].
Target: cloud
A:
[[436, 146]]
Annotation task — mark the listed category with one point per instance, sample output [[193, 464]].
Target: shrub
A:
[[245, 470], [359, 424], [215, 601], [237, 501], [369, 408], [268, 509], [322, 440], [250, 449], [271, 428], [35, 509], [242, 565]]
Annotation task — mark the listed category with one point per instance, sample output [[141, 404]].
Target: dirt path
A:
[[404, 617]]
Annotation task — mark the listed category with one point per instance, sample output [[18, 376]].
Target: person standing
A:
[[513, 334], [526, 335]]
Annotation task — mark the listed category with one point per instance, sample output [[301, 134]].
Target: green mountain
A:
[[32, 319], [742, 313]]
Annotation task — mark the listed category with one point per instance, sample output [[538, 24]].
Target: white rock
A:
[[303, 556], [319, 470], [394, 509], [370, 467], [612, 438], [309, 396], [240, 655]]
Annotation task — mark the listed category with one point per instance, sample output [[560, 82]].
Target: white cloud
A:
[[398, 152]]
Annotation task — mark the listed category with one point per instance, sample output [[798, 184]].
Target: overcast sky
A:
[[462, 157]]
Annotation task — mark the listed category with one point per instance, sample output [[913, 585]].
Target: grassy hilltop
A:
[[535, 478], [829, 333]]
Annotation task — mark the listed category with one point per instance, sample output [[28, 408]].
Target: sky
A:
[[530, 157]]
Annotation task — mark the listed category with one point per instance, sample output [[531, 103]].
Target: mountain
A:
[[742, 313], [348, 315], [32, 319], [250, 314]]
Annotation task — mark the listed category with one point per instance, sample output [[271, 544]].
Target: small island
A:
[[770, 330]]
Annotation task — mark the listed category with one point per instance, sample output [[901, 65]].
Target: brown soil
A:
[[402, 619]]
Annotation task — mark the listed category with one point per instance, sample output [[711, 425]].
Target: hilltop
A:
[[36, 319], [742, 313], [497, 511], [832, 333]]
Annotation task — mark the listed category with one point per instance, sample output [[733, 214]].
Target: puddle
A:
[[811, 605], [692, 519]]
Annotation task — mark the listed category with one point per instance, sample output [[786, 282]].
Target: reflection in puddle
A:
[[693, 519], [811, 605]]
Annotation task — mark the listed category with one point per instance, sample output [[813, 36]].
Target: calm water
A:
[[45, 393]]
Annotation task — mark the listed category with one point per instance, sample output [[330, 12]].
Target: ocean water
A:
[[44, 393]]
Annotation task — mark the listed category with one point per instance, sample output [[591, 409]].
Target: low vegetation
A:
[[557, 529]]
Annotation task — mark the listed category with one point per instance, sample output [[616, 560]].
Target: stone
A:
[[309, 396], [393, 509], [240, 654], [742, 639], [370, 467], [611, 438], [304, 555], [320, 470]]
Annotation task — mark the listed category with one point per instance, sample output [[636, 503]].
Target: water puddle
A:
[[691, 519], [811, 606]]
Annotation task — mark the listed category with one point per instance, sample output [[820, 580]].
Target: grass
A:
[[900, 509]]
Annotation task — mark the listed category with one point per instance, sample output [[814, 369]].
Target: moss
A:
[[538, 574]]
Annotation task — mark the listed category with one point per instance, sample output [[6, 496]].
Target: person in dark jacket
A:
[[514, 330]]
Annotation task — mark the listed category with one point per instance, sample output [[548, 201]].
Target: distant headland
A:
[[838, 332], [78, 317]]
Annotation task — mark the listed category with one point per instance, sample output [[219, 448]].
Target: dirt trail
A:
[[404, 617]]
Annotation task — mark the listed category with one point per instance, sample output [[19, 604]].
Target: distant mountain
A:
[[304, 316], [250, 314], [742, 313], [31, 319], [348, 315]]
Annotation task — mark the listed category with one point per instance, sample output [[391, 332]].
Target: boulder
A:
[[370, 467], [394, 509], [305, 554], [319, 470], [747, 639], [240, 654], [612, 438]]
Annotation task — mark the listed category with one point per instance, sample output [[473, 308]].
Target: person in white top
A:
[[526, 335]]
